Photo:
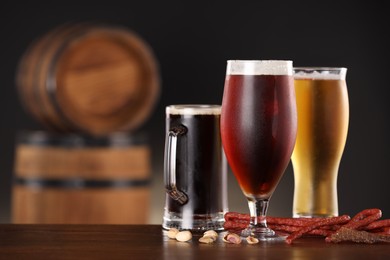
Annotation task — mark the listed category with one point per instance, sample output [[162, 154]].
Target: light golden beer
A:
[[323, 115]]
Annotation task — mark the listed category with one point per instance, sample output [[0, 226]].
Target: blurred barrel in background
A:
[[89, 78], [81, 179]]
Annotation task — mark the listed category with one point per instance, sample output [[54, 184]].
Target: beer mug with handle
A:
[[195, 168]]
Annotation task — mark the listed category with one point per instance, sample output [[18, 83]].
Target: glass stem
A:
[[258, 212]]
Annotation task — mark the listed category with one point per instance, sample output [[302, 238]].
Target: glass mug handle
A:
[[170, 164]]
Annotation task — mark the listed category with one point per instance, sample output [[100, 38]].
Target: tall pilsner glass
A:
[[258, 130], [323, 114]]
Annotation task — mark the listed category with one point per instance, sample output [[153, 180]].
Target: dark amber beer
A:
[[323, 114], [257, 134]]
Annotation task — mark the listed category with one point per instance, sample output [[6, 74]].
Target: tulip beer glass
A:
[[258, 130], [323, 114]]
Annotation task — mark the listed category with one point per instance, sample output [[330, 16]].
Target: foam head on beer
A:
[[259, 67], [320, 73], [196, 109]]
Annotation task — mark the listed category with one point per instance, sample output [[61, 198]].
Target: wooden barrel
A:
[[75, 179], [94, 79]]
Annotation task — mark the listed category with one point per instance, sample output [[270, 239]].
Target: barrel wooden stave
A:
[[65, 180], [80, 206]]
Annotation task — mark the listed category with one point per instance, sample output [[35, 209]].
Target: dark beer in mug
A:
[[199, 166]]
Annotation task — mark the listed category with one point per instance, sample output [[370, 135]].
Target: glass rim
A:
[[259, 61], [259, 67], [193, 109], [336, 73], [308, 68]]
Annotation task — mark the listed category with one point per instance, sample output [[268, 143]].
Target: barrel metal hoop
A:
[[76, 183]]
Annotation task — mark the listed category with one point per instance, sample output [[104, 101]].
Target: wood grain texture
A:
[[80, 206], [129, 162], [149, 242], [95, 79], [119, 193]]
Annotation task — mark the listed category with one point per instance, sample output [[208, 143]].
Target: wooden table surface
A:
[[150, 242]]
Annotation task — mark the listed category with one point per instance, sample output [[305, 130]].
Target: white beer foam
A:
[[259, 67], [324, 73], [193, 109]]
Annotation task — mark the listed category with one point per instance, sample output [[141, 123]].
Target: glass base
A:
[[263, 234], [197, 222]]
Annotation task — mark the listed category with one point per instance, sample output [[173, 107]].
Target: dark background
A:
[[192, 43]]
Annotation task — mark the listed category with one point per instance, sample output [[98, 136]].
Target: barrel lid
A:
[[101, 79]]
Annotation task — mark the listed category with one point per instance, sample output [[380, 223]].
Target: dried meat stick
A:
[[288, 229], [299, 222], [232, 225], [361, 219], [382, 231], [378, 224], [320, 232], [292, 229], [348, 234], [235, 215], [324, 222], [229, 224], [364, 218], [385, 231]]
